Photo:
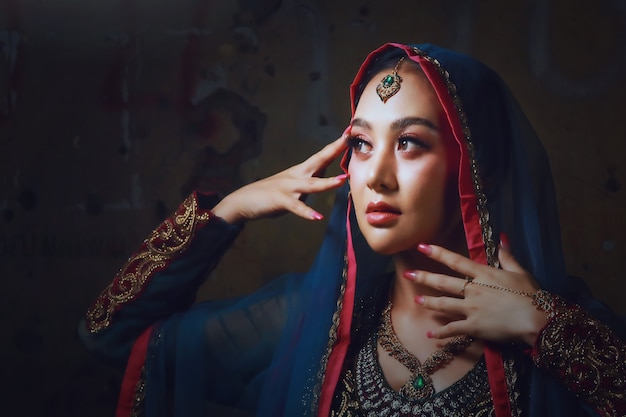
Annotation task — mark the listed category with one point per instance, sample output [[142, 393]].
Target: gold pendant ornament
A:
[[390, 84], [420, 385]]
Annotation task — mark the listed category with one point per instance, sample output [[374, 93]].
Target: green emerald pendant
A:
[[419, 382], [388, 81], [418, 387]]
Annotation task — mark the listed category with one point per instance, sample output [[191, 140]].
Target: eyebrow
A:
[[398, 124]]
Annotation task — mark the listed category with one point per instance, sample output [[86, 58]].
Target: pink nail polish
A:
[[341, 177], [425, 249], [430, 334], [347, 131], [504, 241], [316, 216], [419, 299], [410, 275]]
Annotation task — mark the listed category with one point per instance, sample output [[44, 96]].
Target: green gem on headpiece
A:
[[390, 84], [388, 81]]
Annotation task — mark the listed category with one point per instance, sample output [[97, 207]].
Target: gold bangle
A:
[[548, 303]]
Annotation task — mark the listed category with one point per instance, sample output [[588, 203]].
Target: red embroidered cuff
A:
[[585, 355]]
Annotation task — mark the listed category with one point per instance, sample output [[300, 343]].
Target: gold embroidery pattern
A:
[[587, 357], [165, 243], [139, 395], [348, 403], [513, 383], [363, 390], [376, 397]]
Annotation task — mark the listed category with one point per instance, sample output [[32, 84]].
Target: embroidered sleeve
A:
[[585, 355], [167, 244]]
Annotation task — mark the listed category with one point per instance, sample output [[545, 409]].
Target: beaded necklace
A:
[[420, 384]]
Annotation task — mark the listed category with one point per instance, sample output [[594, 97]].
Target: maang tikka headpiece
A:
[[390, 84]]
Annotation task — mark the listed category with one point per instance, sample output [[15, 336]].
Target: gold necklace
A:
[[419, 385]]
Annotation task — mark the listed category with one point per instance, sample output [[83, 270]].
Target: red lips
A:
[[381, 214]]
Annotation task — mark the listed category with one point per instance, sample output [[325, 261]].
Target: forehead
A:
[[416, 98]]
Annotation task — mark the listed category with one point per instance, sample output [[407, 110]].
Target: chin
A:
[[386, 251], [399, 237], [387, 246]]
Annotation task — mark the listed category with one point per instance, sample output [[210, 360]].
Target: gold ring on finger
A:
[[468, 280]]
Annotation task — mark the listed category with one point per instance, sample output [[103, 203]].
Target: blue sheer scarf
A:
[[270, 352]]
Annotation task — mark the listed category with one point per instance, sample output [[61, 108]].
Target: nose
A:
[[381, 175]]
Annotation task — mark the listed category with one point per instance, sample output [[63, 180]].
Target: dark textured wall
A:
[[112, 111]]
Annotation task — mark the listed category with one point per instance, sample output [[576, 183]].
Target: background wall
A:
[[112, 111]]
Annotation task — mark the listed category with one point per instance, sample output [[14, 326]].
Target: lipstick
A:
[[381, 214]]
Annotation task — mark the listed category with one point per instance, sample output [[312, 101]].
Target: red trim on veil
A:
[[340, 349], [133, 374]]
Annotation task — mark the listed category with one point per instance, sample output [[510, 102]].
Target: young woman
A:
[[449, 190]]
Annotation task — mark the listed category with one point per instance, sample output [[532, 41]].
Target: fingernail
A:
[[411, 275], [504, 241], [316, 216], [347, 131], [425, 249], [419, 299], [341, 177], [430, 334]]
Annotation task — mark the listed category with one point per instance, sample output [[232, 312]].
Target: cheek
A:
[[439, 188], [356, 173], [426, 181]]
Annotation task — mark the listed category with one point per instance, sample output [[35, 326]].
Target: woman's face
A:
[[398, 169]]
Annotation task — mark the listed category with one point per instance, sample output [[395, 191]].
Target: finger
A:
[[447, 305], [453, 260], [319, 161], [508, 261], [317, 185], [439, 282], [454, 328], [504, 241], [300, 209]]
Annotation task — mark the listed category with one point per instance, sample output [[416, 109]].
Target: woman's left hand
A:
[[502, 314]]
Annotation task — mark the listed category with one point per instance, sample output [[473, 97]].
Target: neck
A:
[[403, 291]]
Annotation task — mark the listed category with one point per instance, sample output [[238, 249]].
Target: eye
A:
[[359, 145], [411, 144]]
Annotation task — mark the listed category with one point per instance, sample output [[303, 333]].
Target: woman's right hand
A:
[[282, 192]]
